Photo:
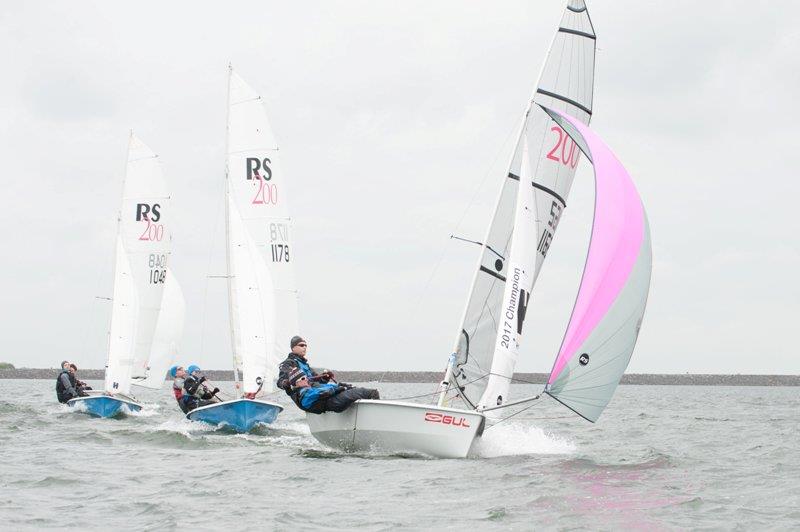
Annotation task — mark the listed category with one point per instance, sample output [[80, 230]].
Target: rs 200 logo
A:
[[435, 417], [267, 193]]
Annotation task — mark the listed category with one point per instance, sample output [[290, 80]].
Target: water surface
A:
[[661, 457]]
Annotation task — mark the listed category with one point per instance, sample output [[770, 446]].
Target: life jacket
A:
[[61, 391], [177, 388]]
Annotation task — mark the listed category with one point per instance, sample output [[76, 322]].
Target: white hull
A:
[[391, 426]]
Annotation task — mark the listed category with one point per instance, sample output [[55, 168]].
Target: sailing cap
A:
[[295, 340], [173, 371], [295, 376], [191, 369]]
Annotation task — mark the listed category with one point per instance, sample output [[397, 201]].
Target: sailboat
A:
[[140, 272], [607, 315], [262, 297]]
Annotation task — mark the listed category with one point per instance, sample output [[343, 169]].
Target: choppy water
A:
[[661, 457]]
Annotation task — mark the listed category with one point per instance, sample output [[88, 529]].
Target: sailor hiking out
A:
[[195, 391], [312, 391]]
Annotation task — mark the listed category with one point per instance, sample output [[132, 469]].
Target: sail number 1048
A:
[[158, 268]]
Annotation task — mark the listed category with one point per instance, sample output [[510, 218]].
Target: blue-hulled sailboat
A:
[[140, 273], [262, 296]]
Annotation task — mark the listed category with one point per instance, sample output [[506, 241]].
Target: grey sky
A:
[[394, 121]]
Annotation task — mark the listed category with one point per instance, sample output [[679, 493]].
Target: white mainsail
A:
[[142, 253], [167, 337], [566, 83], [261, 285]]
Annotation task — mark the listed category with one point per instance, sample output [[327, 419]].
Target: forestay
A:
[[167, 337], [142, 253], [611, 300], [566, 82], [262, 294]]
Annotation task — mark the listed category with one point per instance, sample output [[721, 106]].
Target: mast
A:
[[227, 240], [483, 362], [448, 376]]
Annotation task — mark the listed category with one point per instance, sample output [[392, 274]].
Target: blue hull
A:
[[240, 415], [105, 406]]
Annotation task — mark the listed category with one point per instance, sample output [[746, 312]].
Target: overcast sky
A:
[[394, 120]]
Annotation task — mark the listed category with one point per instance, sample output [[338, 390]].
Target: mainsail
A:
[[483, 368], [611, 300], [167, 337], [142, 253], [261, 285]]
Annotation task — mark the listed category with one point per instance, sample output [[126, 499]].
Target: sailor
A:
[[297, 360], [65, 384], [319, 392], [197, 393], [80, 386], [317, 397], [178, 375]]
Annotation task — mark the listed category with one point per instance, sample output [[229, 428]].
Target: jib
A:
[[254, 165], [435, 417], [148, 212]]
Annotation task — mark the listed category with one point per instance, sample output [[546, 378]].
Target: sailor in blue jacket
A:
[[317, 397]]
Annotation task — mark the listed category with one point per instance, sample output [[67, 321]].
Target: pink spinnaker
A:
[[617, 242]]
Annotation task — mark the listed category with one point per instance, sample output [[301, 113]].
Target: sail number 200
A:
[[565, 151]]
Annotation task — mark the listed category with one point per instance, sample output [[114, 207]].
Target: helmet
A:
[[173, 371], [191, 369]]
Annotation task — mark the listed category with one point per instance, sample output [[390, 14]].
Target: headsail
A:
[[608, 310], [167, 337], [566, 82], [143, 248], [263, 297]]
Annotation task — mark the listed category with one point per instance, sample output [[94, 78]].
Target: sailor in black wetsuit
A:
[[66, 385]]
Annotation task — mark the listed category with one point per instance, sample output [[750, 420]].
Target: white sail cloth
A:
[[566, 83], [167, 337], [142, 254], [262, 292]]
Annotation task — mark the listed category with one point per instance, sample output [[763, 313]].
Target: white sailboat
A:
[[140, 272], [611, 299], [261, 287]]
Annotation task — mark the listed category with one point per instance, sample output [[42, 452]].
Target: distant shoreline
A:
[[434, 376]]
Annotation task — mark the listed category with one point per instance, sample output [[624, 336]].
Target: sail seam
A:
[[565, 100], [577, 32]]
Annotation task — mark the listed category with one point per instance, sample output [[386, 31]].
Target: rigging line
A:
[[493, 425], [460, 221], [490, 248], [449, 387]]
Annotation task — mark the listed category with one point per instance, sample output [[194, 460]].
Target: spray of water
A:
[[509, 439]]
